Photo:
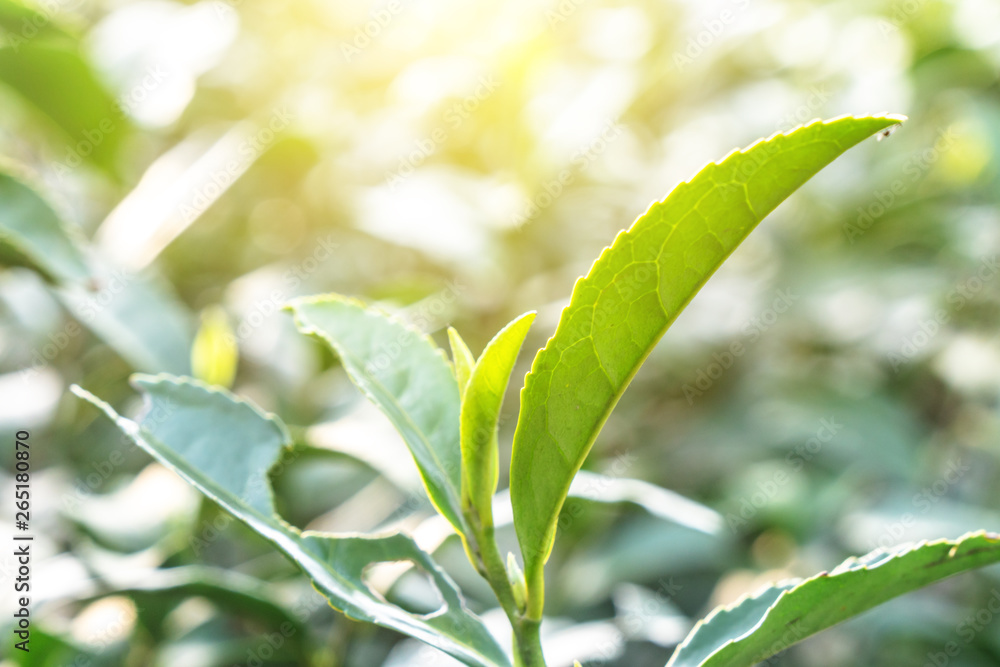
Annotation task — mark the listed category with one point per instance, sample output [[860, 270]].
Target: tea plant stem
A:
[[527, 646]]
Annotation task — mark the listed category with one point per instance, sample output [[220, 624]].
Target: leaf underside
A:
[[406, 376], [225, 446], [767, 623], [633, 292]]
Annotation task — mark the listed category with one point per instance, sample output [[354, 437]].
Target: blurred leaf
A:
[[60, 84], [634, 549], [153, 508], [632, 294], [50, 650], [32, 234], [23, 22], [317, 481], [659, 502], [231, 592], [225, 447], [138, 316], [214, 355], [481, 405], [407, 377], [760, 626], [649, 615]]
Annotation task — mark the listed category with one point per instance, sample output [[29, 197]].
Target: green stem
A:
[[496, 572], [535, 581], [528, 644], [527, 637]]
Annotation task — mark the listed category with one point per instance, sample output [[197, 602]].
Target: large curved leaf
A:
[[33, 235], [403, 373], [225, 447], [632, 293], [767, 623]]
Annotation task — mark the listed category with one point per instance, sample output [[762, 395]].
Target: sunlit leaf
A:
[[481, 405], [770, 621], [407, 377], [632, 293], [462, 359], [225, 447]]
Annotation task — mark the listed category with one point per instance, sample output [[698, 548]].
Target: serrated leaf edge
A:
[[535, 364], [283, 531], [851, 564], [717, 163]]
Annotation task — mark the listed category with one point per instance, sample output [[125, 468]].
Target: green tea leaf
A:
[[764, 624], [632, 293], [225, 446], [462, 358], [481, 405], [32, 234], [403, 373]]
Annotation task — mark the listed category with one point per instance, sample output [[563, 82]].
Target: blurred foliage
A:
[[833, 388]]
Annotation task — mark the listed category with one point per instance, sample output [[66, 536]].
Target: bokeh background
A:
[[458, 164]]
